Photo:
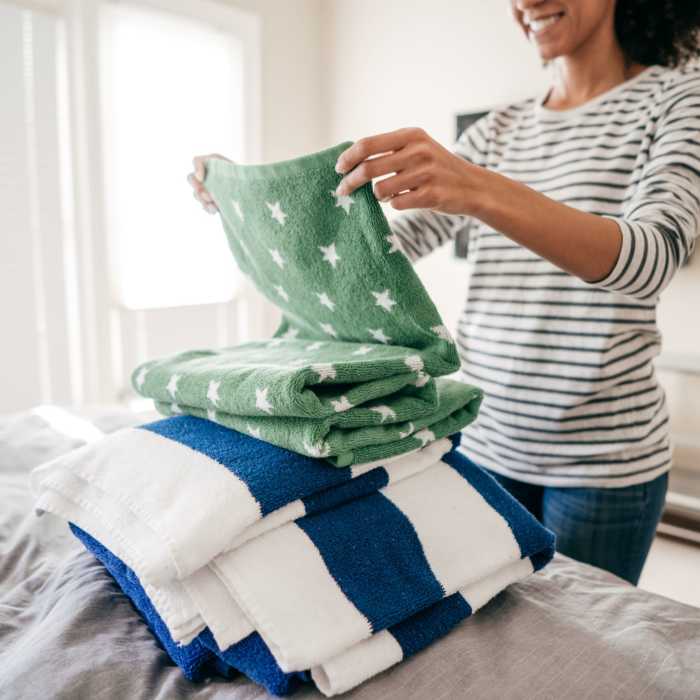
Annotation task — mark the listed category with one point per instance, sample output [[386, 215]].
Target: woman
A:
[[580, 206]]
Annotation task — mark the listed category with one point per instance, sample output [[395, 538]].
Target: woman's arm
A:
[[431, 177], [635, 255]]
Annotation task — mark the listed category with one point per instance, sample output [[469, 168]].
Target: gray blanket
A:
[[570, 631]]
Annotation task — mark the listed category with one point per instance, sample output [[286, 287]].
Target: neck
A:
[[595, 67]]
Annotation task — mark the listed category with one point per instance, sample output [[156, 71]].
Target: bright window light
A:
[[172, 89]]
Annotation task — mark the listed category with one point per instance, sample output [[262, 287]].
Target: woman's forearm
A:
[[585, 245]]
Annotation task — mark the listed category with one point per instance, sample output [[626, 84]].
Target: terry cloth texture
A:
[[150, 495], [317, 587], [349, 374], [397, 620]]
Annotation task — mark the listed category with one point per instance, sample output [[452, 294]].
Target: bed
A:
[[67, 632]]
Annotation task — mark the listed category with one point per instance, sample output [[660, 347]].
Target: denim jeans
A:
[[611, 528]]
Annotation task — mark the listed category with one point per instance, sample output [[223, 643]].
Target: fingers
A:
[[196, 178], [201, 195], [376, 145], [414, 199], [391, 186], [369, 169], [200, 168]]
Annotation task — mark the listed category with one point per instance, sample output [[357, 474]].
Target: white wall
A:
[[294, 120]]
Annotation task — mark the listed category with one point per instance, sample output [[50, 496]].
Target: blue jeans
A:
[[609, 528]]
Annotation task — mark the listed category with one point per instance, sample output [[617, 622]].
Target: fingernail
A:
[[339, 168], [211, 208], [341, 190]]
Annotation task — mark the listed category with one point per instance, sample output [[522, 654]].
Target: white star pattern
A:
[[324, 371], [255, 432], [383, 299], [343, 200], [320, 450], [174, 408], [277, 257], [315, 346], [422, 379], [395, 244], [384, 411], [408, 432], [211, 414], [378, 335], [276, 212], [414, 363], [213, 391], [325, 300], [327, 328], [172, 384], [443, 333], [363, 350], [342, 405], [237, 208], [281, 292], [261, 401], [141, 377], [329, 254], [425, 436]]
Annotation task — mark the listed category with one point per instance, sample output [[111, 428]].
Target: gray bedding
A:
[[570, 631]]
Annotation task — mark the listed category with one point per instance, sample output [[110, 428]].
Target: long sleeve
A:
[[661, 222], [420, 231]]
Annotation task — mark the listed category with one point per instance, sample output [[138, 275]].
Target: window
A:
[[172, 87], [104, 257]]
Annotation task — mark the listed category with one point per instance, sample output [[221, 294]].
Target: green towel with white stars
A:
[[350, 373]]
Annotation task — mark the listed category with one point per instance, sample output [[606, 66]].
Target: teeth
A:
[[537, 25]]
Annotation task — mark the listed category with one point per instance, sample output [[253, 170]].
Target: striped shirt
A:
[[566, 366]]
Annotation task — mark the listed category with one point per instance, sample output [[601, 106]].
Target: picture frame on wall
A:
[[462, 122]]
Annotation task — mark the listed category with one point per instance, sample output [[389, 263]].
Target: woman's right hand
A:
[[196, 179]]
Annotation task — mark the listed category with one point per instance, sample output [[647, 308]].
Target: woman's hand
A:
[[196, 179], [424, 174]]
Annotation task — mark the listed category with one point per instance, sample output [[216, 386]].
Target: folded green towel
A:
[[349, 374]]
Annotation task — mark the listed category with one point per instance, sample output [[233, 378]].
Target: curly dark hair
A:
[[664, 32]]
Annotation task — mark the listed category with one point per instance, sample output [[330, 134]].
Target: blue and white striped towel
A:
[[382, 649], [319, 588], [326, 584], [169, 496]]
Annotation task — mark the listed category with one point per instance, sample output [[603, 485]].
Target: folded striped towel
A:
[[350, 372], [151, 494], [316, 588], [382, 649]]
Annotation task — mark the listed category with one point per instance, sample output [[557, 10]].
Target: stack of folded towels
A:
[[308, 518]]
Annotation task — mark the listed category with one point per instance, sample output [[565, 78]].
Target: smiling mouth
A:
[[537, 26]]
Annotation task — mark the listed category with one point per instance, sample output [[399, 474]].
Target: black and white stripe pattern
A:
[[571, 395]]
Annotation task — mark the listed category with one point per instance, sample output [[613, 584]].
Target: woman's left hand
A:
[[423, 174]]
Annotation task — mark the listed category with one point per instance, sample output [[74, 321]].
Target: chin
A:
[[550, 51]]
